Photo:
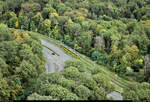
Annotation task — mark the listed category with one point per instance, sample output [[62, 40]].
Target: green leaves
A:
[[71, 73], [73, 29], [3, 68], [71, 84], [45, 27], [30, 7], [85, 40], [4, 93], [20, 63], [103, 82], [36, 96], [95, 56], [47, 11], [82, 92], [77, 64], [137, 91], [56, 91], [27, 71]]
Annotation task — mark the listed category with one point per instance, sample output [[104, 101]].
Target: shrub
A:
[[36, 96], [46, 11], [5, 35], [130, 95], [83, 92], [137, 91], [3, 68], [45, 27], [77, 64], [71, 73], [89, 82], [3, 26], [69, 84], [56, 91], [30, 7], [96, 70], [27, 71], [95, 55], [45, 78], [71, 96], [132, 86], [143, 94], [144, 85], [98, 94], [103, 81]]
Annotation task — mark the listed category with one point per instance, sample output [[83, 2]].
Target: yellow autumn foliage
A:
[[17, 58], [55, 15], [70, 21], [14, 92], [18, 87], [25, 35], [16, 24], [114, 66], [140, 61], [83, 12], [43, 62], [134, 48], [15, 34], [114, 48], [79, 14], [19, 38]]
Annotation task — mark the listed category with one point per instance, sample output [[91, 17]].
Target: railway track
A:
[[67, 50], [51, 50]]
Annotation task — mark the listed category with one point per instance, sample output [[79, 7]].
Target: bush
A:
[[98, 94], [71, 73], [103, 81], [133, 86], [143, 94], [69, 84], [77, 64], [30, 7], [27, 71], [3, 68], [130, 95], [137, 91], [71, 96], [89, 82], [3, 26], [56, 91], [5, 34], [45, 78], [83, 92], [144, 85], [96, 70], [46, 11], [95, 56], [36, 96]]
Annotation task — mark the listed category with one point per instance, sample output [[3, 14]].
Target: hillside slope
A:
[[21, 62], [111, 37]]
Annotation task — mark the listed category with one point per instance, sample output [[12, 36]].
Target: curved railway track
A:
[[58, 50]]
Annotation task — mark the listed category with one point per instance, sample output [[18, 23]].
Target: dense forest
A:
[[112, 33], [21, 62]]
